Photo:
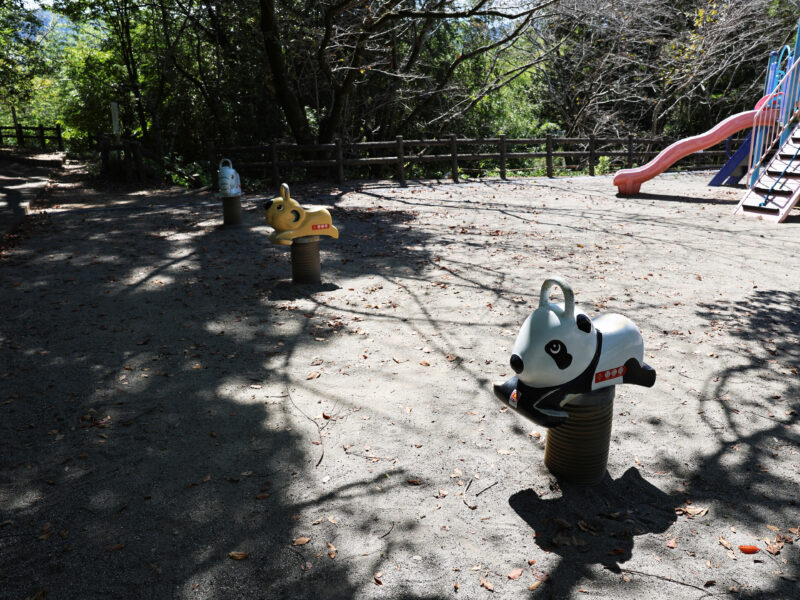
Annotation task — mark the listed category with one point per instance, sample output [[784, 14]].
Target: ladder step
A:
[[753, 202], [764, 190], [764, 210], [787, 174]]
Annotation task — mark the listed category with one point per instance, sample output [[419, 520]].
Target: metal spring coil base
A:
[[305, 260], [577, 450]]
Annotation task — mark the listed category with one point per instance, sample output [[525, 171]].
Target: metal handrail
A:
[[768, 134]]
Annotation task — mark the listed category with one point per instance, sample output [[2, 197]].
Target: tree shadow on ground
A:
[[147, 421], [593, 525]]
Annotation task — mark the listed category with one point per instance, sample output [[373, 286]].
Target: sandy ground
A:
[[168, 397]]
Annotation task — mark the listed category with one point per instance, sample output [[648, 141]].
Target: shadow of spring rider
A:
[[567, 366], [301, 229]]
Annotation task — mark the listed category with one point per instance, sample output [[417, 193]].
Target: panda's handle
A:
[[566, 289], [285, 191], [225, 160]]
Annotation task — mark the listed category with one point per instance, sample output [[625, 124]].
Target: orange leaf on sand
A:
[[673, 543], [425, 363], [301, 541], [486, 584], [515, 574], [415, 481], [331, 550], [313, 375], [748, 549], [237, 555]]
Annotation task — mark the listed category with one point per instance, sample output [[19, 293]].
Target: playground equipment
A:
[[301, 229], [629, 181], [230, 190], [774, 167], [773, 145], [566, 367]]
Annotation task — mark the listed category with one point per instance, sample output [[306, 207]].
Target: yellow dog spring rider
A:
[[299, 228]]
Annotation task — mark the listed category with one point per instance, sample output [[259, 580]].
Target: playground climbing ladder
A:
[[774, 175]]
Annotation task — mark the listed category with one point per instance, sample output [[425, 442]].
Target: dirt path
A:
[[168, 397]]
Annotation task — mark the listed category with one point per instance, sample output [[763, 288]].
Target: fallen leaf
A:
[[748, 549], [425, 363], [486, 584], [237, 555], [313, 375], [326, 416], [116, 547], [415, 481], [331, 519], [262, 496], [456, 586], [47, 531], [534, 585], [774, 548], [515, 574], [331, 550], [301, 541], [673, 543], [709, 583], [772, 528], [724, 542], [376, 579]]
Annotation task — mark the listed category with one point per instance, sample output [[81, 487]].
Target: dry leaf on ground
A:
[[301, 541], [237, 555], [515, 574]]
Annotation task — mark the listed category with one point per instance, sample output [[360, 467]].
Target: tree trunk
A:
[[290, 104]]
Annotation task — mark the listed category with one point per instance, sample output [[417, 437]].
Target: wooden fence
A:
[[501, 155], [39, 135]]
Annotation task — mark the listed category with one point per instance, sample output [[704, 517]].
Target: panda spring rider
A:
[[560, 352]]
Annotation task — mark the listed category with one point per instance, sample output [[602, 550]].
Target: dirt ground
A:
[[168, 397]]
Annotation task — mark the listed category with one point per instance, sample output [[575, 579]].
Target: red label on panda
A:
[[609, 374], [321, 226]]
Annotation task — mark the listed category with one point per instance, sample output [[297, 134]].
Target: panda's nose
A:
[[267, 204], [517, 364]]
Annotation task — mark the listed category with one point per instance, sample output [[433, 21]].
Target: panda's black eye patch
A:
[[558, 352], [584, 323]]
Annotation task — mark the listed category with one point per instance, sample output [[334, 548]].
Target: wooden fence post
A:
[[20, 136], [591, 155], [339, 161], [105, 153], [41, 136], [549, 159], [211, 152], [59, 139], [401, 159], [503, 156], [273, 155], [127, 163], [138, 160], [630, 151], [454, 157]]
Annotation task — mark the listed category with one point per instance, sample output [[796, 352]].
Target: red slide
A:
[[628, 181]]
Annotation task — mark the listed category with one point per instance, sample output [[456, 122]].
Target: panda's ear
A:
[[584, 323]]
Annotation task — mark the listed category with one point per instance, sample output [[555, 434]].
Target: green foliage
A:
[[20, 58]]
